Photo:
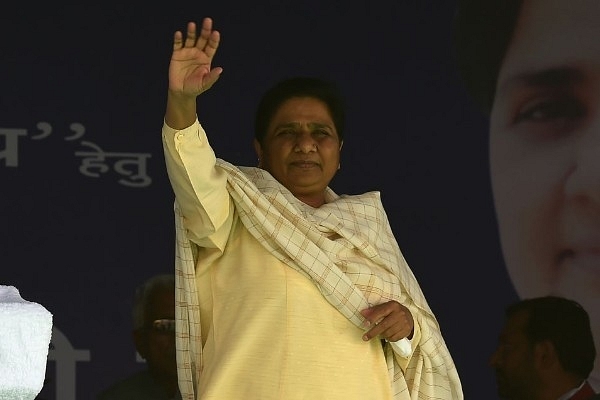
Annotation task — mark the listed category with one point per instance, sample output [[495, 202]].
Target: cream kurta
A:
[[267, 325], [270, 334]]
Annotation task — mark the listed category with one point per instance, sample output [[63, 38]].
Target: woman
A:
[[285, 289]]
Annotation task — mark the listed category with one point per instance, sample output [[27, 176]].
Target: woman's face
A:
[[302, 148], [545, 153]]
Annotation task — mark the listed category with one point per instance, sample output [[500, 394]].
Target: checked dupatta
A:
[[346, 247]]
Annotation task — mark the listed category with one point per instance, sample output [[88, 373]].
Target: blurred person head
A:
[[154, 327], [545, 349]]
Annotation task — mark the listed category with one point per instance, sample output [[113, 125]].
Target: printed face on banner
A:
[[545, 153]]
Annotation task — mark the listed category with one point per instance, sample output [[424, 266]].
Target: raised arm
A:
[[190, 72]]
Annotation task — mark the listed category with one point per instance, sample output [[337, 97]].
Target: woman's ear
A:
[[339, 164], [258, 150]]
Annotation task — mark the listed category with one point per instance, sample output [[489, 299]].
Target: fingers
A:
[[212, 77], [205, 33], [190, 37], [212, 44], [392, 330], [208, 41], [177, 40], [391, 321]]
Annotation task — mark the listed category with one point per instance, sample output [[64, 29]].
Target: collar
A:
[[583, 392]]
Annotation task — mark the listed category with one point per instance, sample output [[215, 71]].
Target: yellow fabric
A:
[[241, 216], [270, 334]]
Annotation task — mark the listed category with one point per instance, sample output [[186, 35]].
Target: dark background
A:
[[79, 245]]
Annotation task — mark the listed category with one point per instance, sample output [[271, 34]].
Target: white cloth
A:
[[25, 333]]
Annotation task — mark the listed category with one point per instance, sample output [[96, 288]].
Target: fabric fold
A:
[[354, 266]]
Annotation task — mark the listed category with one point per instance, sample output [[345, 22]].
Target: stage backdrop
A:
[[86, 203]]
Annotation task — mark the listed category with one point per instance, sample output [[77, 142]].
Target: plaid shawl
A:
[[347, 248]]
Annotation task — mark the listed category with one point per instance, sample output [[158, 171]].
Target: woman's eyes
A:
[[291, 132], [551, 110], [551, 117], [286, 132], [321, 132]]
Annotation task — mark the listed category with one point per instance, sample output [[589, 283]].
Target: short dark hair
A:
[[299, 86], [143, 295], [482, 33], [566, 324]]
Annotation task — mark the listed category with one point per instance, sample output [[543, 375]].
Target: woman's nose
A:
[[584, 180], [305, 143]]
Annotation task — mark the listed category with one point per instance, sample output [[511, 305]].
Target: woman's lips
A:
[[586, 258], [305, 164]]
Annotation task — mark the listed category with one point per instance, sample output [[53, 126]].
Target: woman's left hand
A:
[[390, 321]]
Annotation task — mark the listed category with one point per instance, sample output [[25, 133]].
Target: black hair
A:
[[299, 86], [482, 33], [566, 324], [143, 295]]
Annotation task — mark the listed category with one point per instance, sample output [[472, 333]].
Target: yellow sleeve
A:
[[199, 187]]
